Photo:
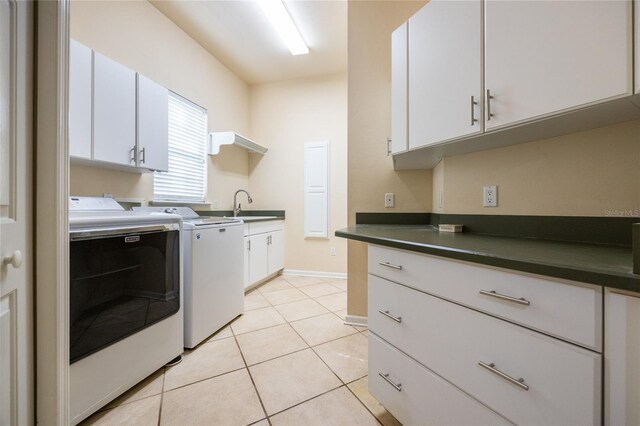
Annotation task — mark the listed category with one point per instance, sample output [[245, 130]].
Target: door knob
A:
[[14, 260]]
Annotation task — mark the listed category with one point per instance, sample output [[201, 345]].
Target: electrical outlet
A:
[[389, 199], [214, 204], [440, 198], [332, 251], [490, 196]]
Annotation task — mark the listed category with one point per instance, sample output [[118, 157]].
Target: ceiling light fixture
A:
[[283, 24]]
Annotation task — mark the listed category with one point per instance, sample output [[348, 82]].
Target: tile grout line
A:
[[362, 402], [345, 384], [316, 354], [264, 410], [307, 400], [164, 376]]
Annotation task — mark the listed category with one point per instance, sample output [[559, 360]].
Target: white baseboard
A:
[[319, 274], [356, 320]]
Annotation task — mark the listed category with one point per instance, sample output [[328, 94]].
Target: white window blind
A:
[[186, 180]]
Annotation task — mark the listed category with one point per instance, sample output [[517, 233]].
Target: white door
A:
[[276, 251], [542, 57], [445, 72], [153, 125], [399, 77], [114, 111], [258, 260], [16, 278], [80, 108]]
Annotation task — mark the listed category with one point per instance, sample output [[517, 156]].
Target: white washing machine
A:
[[213, 272], [125, 300]]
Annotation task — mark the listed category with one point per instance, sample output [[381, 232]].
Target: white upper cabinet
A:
[[114, 111], [153, 125], [399, 88], [544, 57], [80, 110], [445, 72]]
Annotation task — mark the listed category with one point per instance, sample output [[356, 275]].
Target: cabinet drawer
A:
[[266, 226], [423, 397], [570, 312], [564, 380]]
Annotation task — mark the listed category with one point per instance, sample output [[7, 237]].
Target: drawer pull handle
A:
[[398, 386], [388, 315], [390, 265], [492, 367], [493, 293]]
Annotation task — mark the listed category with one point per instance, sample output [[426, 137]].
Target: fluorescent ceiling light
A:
[[283, 24]]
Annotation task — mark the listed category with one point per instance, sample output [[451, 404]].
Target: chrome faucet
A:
[[237, 209]]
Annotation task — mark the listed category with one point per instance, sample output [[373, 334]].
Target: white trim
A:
[[357, 320], [320, 274], [51, 227]]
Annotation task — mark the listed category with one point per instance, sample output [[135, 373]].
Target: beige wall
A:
[[370, 170], [284, 116], [137, 35], [588, 173]]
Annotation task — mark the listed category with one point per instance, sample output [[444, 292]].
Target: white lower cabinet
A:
[[417, 396], [525, 376], [574, 313], [275, 259], [258, 257], [622, 359], [264, 250]]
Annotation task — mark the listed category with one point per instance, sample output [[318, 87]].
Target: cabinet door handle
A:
[[388, 315], [390, 265], [134, 155], [474, 120], [249, 245], [385, 376], [489, 97], [143, 154], [388, 146], [492, 367], [493, 293]]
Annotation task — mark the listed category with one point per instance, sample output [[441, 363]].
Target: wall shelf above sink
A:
[[217, 139]]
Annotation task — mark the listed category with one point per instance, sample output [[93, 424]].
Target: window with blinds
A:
[[186, 180]]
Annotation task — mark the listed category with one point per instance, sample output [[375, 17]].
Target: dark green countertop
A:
[[606, 265]]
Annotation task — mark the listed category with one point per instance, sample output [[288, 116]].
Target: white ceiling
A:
[[238, 34]]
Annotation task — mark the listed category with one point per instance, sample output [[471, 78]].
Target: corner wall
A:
[[285, 115], [140, 37], [370, 170]]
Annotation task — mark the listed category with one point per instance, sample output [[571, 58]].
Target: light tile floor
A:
[[288, 360]]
